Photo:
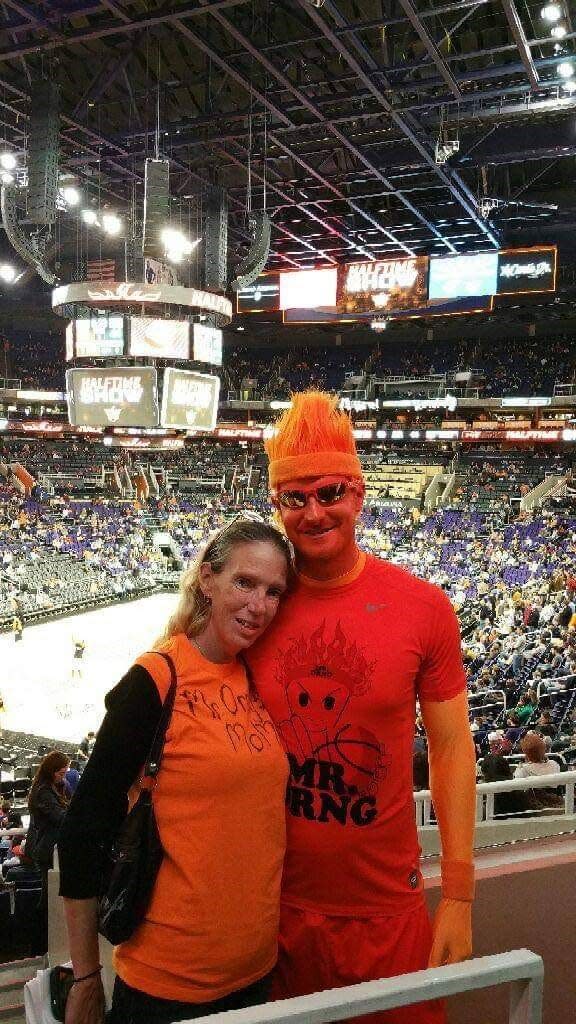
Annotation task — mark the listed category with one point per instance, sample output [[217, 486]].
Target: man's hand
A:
[[452, 933]]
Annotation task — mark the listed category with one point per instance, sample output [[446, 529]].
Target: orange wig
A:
[[312, 438]]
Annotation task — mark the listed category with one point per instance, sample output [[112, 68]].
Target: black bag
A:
[[136, 852]]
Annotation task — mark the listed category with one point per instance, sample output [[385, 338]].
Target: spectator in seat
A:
[[495, 768], [85, 748], [525, 708], [536, 764], [545, 725], [47, 803]]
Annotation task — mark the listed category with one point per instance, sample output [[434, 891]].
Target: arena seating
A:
[[513, 368]]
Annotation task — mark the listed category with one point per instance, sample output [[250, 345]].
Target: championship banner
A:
[[189, 400], [382, 286], [113, 396]]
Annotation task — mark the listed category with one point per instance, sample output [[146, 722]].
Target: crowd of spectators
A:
[[516, 366], [511, 577]]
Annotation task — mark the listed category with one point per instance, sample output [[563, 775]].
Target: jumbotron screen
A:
[[207, 344], [453, 277], [100, 337], [162, 339], [113, 397], [189, 400]]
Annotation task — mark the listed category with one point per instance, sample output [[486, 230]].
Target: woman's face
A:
[[244, 598], [60, 775]]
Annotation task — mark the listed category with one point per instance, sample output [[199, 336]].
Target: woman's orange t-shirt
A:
[[212, 924]]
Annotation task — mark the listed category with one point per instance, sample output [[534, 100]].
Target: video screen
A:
[[100, 337], [189, 400], [527, 270], [308, 289], [454, 277], [70, 341], [113, 397], [262, 294], [207, 344], [383, 285], [161, 339]]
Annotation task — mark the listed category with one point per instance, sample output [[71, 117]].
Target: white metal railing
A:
[[519, 968], [486, 791], [490, 698]]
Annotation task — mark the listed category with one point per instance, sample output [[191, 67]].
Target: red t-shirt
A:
[[339, 670]]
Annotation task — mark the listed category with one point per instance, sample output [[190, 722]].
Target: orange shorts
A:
[[318, 952]]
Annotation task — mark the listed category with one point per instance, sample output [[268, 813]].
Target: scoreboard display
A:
[[207, 344], [160, 339], [100, 337], [113, 397], [189, 400]]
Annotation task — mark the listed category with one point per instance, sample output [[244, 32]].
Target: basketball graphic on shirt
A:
[[320, 676], [358, 749]]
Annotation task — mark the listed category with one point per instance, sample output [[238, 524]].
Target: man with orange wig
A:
[[355, 644]]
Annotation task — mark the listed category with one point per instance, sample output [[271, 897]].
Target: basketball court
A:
[[40, 686]]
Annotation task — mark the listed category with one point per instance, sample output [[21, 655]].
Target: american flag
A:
[[101, 270]]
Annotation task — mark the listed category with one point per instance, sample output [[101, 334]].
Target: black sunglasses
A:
[[326, 495]]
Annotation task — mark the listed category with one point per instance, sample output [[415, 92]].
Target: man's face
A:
[[323, 535]]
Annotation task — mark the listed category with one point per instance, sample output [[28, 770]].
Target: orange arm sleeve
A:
[[453, 789]]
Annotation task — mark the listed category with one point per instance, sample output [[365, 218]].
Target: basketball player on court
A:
[[353, 647]]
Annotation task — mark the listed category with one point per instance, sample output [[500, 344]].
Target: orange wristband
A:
[[457, 880]]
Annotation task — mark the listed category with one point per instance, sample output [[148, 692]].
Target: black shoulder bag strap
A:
[[152, 766]]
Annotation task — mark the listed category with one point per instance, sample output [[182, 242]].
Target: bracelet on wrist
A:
[[92, 974]]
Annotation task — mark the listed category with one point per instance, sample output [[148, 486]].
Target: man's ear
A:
[[205, 579], [359, 494]]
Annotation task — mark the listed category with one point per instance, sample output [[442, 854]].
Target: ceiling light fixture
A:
[[8, 161], [70, 195], [112, 224], [7, 273], [551, 12], [176, 244]]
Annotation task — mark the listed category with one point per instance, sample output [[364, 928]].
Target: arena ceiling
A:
[[336, 108]]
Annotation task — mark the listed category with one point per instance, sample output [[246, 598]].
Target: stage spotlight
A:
[[566, 69], [569, 85], [112, 224], [558, 31], [90, 217], [551, 12], [7, 273], [8, 161], [6, 178], [70, 195]]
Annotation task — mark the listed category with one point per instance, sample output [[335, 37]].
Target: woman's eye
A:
[[242, 581]]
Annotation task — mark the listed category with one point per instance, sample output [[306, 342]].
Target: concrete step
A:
[[14, 1014], [11, 992], [21, 970], [13, 976]]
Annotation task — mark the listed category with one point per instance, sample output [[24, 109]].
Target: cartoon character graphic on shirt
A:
[[336, 766]]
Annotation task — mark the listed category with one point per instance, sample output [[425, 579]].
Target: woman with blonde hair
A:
[[208, 940]]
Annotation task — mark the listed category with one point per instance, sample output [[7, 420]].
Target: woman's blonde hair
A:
[[193, 609]]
